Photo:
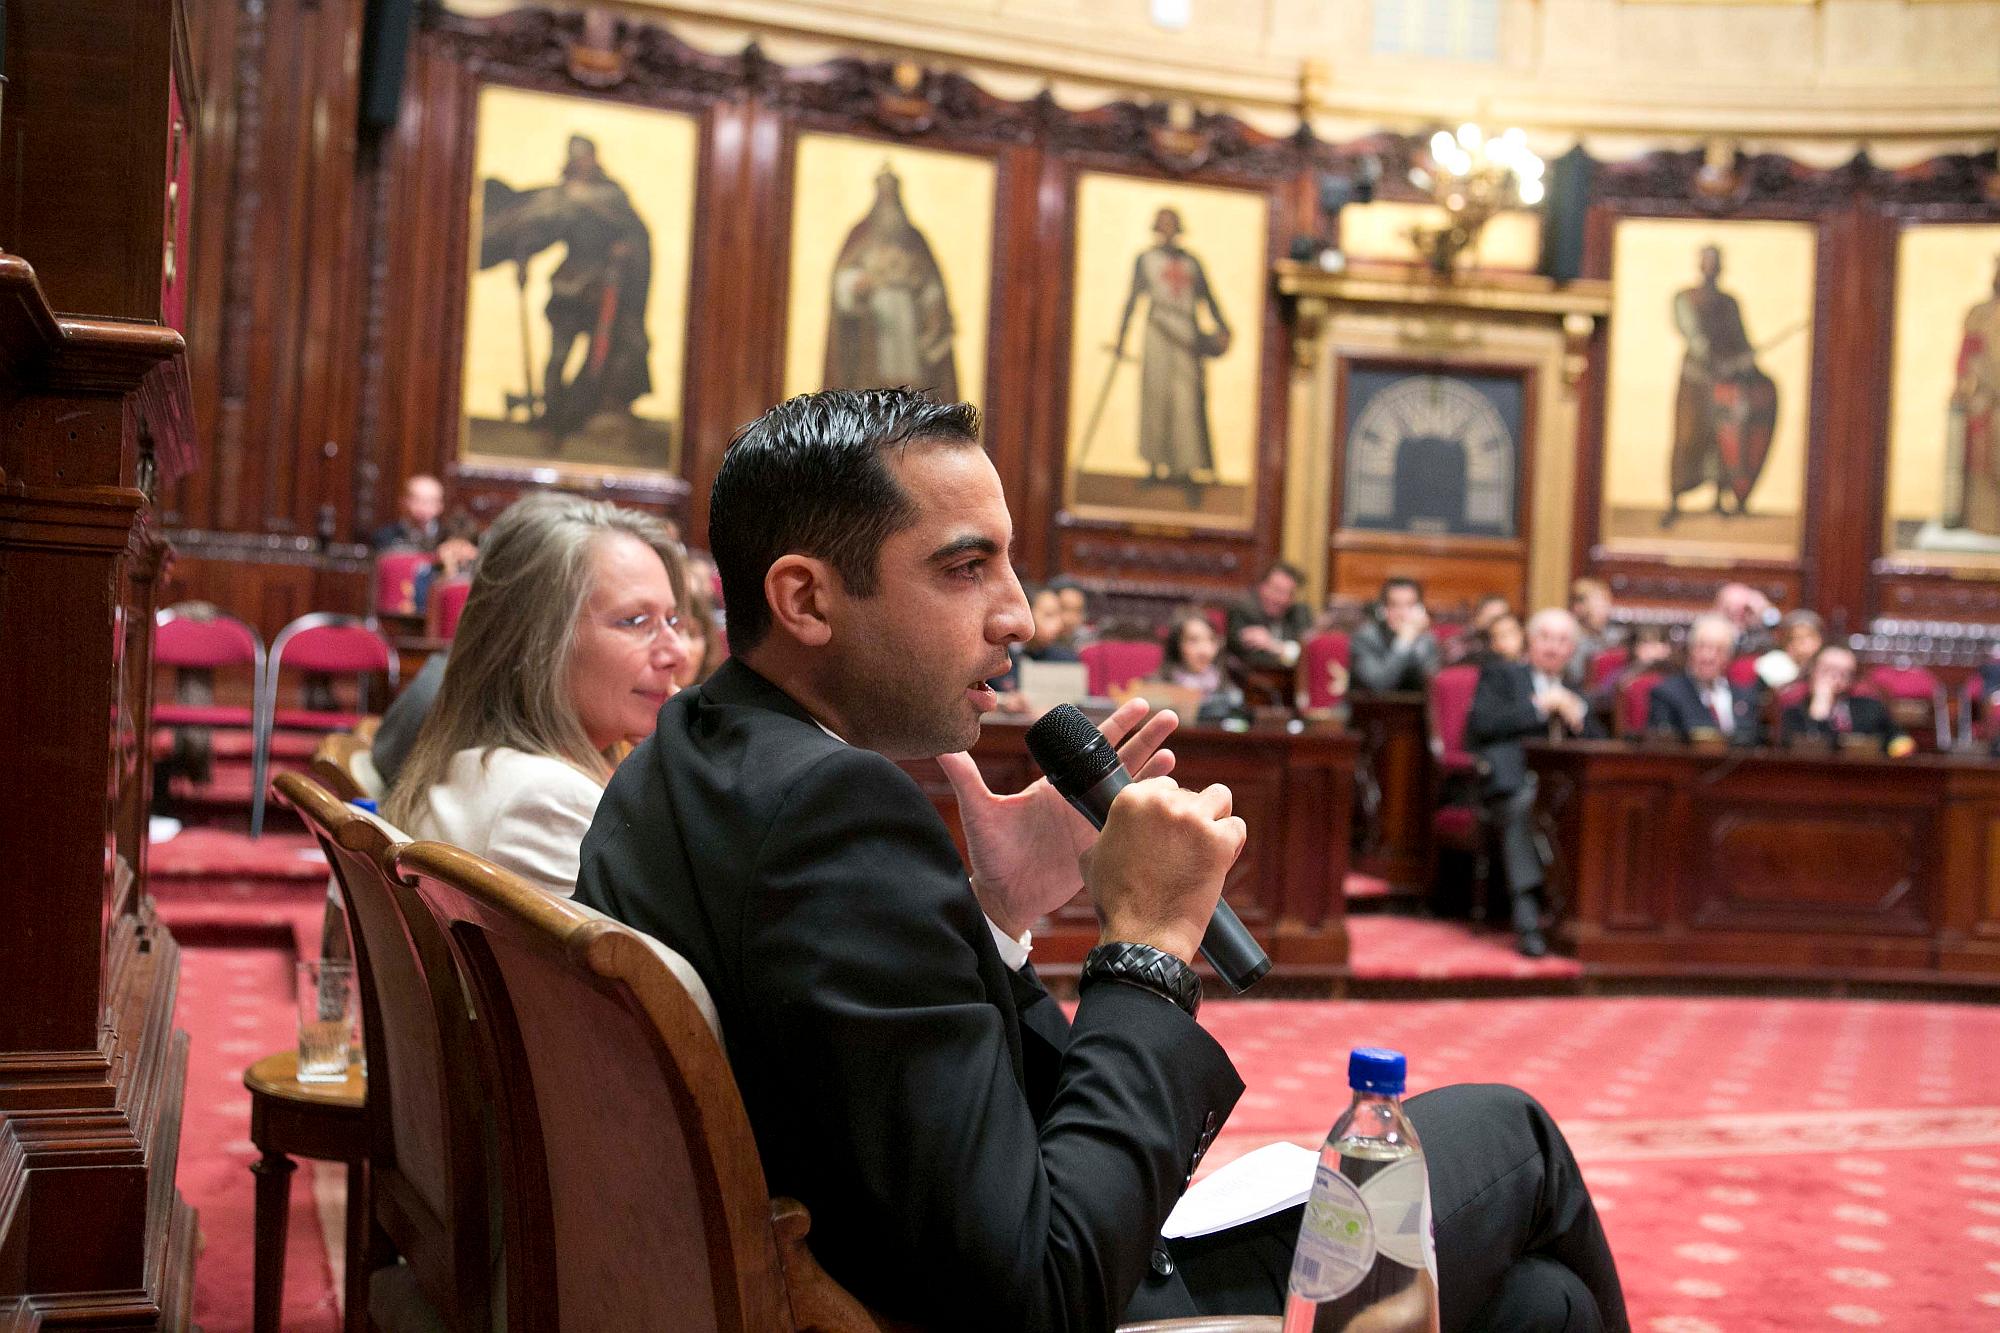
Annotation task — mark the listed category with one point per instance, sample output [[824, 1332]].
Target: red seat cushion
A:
[[201, 715], [1457, 825], [309, 719]]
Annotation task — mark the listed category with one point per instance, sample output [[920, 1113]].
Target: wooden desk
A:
[[1396, 779], [1295, 791], [1702, 862]]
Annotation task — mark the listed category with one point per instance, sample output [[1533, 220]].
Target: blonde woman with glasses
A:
[[567, 648]]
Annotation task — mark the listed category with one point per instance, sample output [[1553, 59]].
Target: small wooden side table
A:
[[320, 1120]]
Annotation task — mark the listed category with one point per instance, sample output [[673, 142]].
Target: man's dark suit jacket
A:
[[1865, 717], [1294, 624], [1503, 715], [970, 1159], [1677, 705]]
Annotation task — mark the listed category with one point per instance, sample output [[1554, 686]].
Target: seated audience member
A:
[[1830, 712], [1518, 701], [1503, 641], [1801, 634], [1648, 648], [457, 552], [699, 637], [1469, 642], [1194, 662], [974, 1157], [1750, 613], [1045, 644], [1395, 649], [1700, 700], [567, 649], [404, 718], [1075, 600], [1590, 603], [1266, 631], [416, 526]]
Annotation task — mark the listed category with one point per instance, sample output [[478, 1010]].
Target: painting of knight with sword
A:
[[1726, 408], [597, 298]]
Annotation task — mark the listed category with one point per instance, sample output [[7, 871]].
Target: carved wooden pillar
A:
[[94, 417]]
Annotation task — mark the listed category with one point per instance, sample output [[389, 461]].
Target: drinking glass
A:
[[327, 1016]]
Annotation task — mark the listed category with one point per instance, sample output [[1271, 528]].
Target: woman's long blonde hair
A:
[[507, 680]]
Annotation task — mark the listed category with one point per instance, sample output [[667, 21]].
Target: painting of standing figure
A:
[[1184, 330], [1708, 399], [891, 262], [891, 314], [1726, 408], [1944, 410], [1166, 351], [582, 220]]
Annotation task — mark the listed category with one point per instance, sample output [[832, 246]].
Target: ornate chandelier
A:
[[1472, 176]]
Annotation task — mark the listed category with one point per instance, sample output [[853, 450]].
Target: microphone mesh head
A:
[[1071, 751]]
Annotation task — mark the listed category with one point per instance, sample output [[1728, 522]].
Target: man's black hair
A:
[[1400, 581], [1285, 567], [808, 478]]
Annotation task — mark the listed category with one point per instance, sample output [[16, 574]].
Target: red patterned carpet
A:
[[1762, 1164]]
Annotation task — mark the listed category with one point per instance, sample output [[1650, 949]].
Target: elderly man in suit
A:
[[973, 1157], [1518, 701], [1701, 701]]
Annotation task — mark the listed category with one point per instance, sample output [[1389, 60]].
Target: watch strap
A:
[[1146, 967]]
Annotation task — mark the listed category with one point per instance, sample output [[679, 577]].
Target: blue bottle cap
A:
[[365, 803], [1373, 1069]]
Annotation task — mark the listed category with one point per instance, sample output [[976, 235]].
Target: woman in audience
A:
[[1471, 643], [1193, 662], [1502, 640], [567, 649], [698, 631], [1046, 644], [1800, 637]]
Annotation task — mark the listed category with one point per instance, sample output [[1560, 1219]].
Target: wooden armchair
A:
[[343, 765], [589, 1030], [427, 1154]]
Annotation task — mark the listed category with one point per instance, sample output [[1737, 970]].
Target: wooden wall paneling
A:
[[1160, 564], [100, 253]]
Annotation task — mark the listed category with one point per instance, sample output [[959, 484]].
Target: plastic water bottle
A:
[[1365, 1257]]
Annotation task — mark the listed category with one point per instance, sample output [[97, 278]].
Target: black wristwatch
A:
[[1144, 966]]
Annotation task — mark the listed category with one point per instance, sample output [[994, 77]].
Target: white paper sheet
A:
[[1257, 1184]]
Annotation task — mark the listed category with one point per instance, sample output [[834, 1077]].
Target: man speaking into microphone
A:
[[971, 1158]]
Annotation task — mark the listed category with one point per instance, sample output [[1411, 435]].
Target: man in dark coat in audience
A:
[[1830, 713], [1396, 650], [1701, 700], [1518, 701], [1266, 631]]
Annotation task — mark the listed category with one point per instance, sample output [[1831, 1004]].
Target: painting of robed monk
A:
[[582, 220], [890, 267], [1166, 352], [1709, 394]]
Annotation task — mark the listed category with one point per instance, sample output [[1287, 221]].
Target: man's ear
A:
[[797, 588]]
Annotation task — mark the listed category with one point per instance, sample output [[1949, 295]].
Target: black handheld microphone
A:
[[1081, 765]]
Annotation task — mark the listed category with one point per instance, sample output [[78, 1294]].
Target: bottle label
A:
[[1336, 1240], [1399, 1202]]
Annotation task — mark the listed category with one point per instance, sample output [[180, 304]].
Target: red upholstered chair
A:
[[1606, 665], [1917, 700], [1327, 659], [207, 645], [326, 644], [396, 582], [1458, 821], [1115, 663], [1444, 631], [446, 605], [1635, 701], [1743, 672]]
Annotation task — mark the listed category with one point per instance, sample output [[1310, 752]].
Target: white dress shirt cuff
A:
[[1014, 953]]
